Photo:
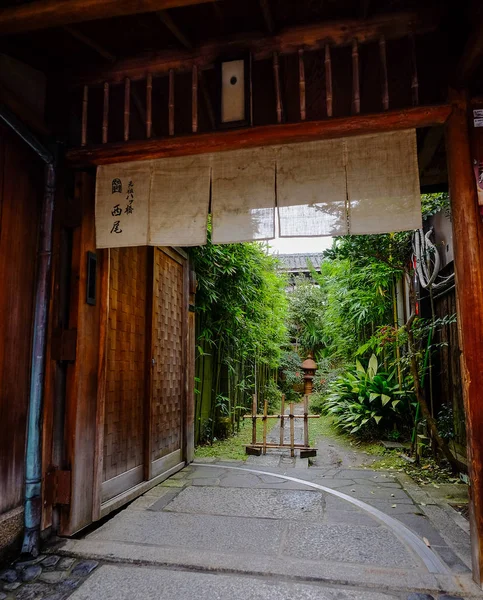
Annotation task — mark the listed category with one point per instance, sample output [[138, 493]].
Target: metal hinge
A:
[[57, 487], [64, 344]]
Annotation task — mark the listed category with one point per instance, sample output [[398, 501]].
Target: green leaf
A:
[[372, 368], [395, 403], [359, 367], [385, 399], [377, 419], [373, 397]]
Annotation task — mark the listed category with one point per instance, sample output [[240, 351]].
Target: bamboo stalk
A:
[[278, 94], [385, 85], [303, 112], [328, 81], [149, 105], [279, 416], [105, 114], [356, 92], [282, 419], [265, 413], [306, 420], [127, 107], [194, 99], [171, 102], [292, 431], [254, 419], [270, 445], [85, 101], [414, 68]]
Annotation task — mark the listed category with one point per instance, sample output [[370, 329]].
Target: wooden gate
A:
[[145, 382]]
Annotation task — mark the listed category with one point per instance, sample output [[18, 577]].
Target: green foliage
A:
[[291, 375], [367, 400], [241, 308], [306, 312]]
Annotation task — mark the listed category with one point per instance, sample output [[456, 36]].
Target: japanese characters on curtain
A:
[[367, 184]]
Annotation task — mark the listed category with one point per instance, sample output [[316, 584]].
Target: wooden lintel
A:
[[44, 14], [90, 43], [423, 116], [288, 41], [168, 22]]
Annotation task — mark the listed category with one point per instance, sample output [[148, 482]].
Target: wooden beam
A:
[[44, 14], [90, 43], [260, 136], [26, 114], [472, 56], [267, 15], [174, 29], [468, 247], [289, 41]]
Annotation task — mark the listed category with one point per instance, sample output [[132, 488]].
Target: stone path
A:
[[220, 530]]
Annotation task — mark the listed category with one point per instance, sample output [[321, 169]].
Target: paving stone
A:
[[420, 597], [173, 483], [257, 503], [161, 503], [157, 491], [56, 596], [84, 568], [202, 481], [140, 583], [69, 584], [142, 503], [31, 561], [66, 563], [350, 517], [451, 559], [50, 561], [52, 576], [346, 543], [33, 591], [11, 586], [9, 575], [197, 532], [446, 597], [30, 573], [2, 596]]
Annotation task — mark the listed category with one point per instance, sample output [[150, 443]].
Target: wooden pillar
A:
[[468, 248]]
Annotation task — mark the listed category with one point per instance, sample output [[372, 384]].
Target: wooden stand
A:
[[255, 448]]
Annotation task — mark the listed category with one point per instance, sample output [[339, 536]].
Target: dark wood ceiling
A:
[[82, 44]]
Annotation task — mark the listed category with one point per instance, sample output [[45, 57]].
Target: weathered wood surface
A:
[[21, 185], [44, 14], [260, 136], [81, 387], [309, 37], [468, 246]]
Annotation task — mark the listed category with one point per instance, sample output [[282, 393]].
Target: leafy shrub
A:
[[317, 403], [367, 400], [326, 373], [273, 395], [291, 375]]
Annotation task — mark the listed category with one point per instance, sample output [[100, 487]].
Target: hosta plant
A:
[[362, 400]]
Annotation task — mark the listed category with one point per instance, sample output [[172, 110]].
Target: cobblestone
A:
[[30, 573], [51, 561], [9, 575], [84, 568]]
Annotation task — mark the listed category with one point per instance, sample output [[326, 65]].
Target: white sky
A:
[[302, 245]]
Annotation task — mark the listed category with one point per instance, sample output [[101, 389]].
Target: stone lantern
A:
[[309, 367]]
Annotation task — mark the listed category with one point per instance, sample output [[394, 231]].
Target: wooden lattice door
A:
[[168, 359], [126, 370]]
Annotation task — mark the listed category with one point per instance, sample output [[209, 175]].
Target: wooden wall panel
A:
[[168, 379], [21, 186], [125, 389]]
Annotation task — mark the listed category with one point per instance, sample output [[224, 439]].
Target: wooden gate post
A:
[[468, 247]]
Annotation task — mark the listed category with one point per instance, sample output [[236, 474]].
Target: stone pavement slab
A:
[[142, 583], [262, 503]]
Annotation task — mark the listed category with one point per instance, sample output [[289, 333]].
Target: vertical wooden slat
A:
[[149, 105], [385, 85], [303, 113], [85, 101], [356, 93], [306, 421], [292, 430], [194, 99], [282, 419], [101, 383], [127, 107], [151, 278], [414, 71], [328, 80], [278, 95], [254, 419], [171, 102], [265, 413], [105, 113]]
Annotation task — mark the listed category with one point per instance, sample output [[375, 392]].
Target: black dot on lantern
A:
[[233, 80]]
